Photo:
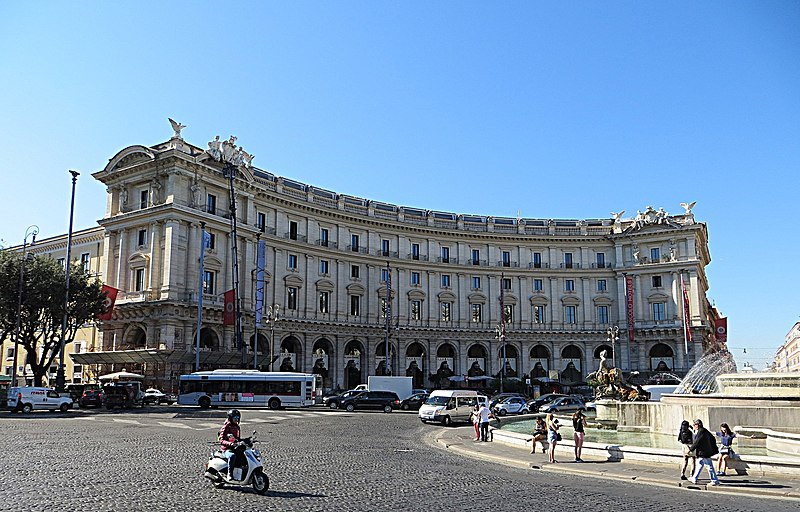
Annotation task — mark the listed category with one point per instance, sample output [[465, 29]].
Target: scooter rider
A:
[[229, 438]]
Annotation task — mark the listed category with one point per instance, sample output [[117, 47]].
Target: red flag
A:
[[111, 298], [721, 329], [229, 316], [629, 307], [687, 326]]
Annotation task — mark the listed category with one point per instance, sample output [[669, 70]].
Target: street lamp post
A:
[[31, 231], [273, 315], [60, 375], [613, 337]]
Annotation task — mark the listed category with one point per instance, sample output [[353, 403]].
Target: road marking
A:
[[174, 424], [266, 420], [134, 422], [210, 425]]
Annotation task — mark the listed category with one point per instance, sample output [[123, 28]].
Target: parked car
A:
[[335, 401], [76, 390], [496, 399], [156, 396], [536, 404], [415, 401], [512, 405], [28, 399], [122, 395], [420, 390], [564, 404], [383, 400], [91, 398]]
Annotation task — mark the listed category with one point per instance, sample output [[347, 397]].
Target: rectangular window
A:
[[601, 260], [61, 261], [138, 284], [569, 315], [85, 262], [656, 281], [655, 254], [354, 243], [384, 247], [477, 310], [476, 283], [10, 353], [292, 230], [355, 305], [506, 259], [211, 242], [144, 199], [323, 302], [602, 314], [415, 278], [659, 311], [323, 237], [384, 307], [446, 306], [323, 267], [414, 251], [506, 283], [416, 309], [384, 275], [354, 271], [537, 260], [141, 238], [569, 285], [538, 285], [211, 203], [445, 255], [509, 313], [601, 285], [476, 257], [261, 222], [445, 280], [292, 263], [208, 282], [291, 298], [538, 314], [567, 260]]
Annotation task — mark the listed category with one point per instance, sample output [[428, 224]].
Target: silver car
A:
[[564, 404]]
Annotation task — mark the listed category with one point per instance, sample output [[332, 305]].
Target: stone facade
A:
[[787, 358], [328, 255]]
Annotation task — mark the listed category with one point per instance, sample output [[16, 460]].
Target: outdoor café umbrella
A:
[[123, 375]]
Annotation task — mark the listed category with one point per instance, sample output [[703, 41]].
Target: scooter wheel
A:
[[260, 482], [219, 485]]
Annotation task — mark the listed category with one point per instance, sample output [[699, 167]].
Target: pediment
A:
[[602, 301], [446, 296], [355, 289], [476, 298], [508, 299], [539, 300], [325, 285], [570, 300], [293, 280], [129, 156], [657, 297], [416, 295]]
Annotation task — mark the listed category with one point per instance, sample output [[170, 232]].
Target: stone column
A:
[[122, 274]]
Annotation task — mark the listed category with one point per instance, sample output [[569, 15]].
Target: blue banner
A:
[[261, 253]]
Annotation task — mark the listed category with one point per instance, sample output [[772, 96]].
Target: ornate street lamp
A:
[[613, 337], [272, 316], [60, 374], [31, 231]]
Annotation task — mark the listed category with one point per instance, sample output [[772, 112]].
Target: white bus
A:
[[250, 388]]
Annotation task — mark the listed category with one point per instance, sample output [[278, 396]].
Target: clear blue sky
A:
[[560, 110]]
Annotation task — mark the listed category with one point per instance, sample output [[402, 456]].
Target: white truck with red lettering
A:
[[28, 399]]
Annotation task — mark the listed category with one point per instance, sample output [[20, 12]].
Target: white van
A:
[[29, 398], [448, 406], [656, 390]]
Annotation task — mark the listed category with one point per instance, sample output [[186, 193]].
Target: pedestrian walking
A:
[[704, 445], [539, 435], [485, 413], [552, 437], [685, 437], [475, 417], [578, 424]]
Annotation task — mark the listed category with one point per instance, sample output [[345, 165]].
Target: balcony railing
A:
[[538, 265]]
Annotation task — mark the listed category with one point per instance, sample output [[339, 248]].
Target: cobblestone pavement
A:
[[316, 460]]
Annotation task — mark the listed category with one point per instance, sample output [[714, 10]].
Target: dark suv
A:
[[386, 401]]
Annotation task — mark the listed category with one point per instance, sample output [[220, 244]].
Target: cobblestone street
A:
[[316, 460]]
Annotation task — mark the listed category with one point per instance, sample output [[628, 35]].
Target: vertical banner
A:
[[687, 325], [229, 316], [111, 298], [205, 238], [629, 306], [261, 252], [721, 329]]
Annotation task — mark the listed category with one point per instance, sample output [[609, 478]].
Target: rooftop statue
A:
[[176, 127]]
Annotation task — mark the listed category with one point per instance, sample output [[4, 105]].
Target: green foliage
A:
[[42, 306]]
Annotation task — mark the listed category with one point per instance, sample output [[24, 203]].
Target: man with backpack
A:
[[704, 445]]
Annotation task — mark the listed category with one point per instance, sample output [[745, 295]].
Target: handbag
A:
[[558, 436]]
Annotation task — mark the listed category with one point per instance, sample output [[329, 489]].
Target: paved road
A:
[[316, 459]]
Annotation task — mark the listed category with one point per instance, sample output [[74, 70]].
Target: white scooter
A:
[[216, 469]]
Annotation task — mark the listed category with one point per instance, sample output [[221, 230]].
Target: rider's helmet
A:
[[234, 414]]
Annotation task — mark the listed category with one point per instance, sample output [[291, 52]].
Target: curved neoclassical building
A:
[[328, 257]]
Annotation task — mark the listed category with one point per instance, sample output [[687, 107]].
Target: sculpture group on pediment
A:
[[648, 217]]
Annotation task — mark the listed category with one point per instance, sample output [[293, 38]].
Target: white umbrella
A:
[[121, 376]]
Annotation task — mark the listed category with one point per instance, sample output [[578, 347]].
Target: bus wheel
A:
[[274, 403], [204, 402]]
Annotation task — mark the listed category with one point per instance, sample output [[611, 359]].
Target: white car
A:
[[512, 405], [28, 399], [155, 396]]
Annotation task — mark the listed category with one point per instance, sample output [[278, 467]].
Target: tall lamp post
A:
[[613, 337], [31, 231], [60, 375], [272, 316]]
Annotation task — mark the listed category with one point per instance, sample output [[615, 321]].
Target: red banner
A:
[[721, 329], [229, 316], [111, 298], [629, 304], [687, 319]]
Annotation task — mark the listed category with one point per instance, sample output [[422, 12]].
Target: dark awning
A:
[[160, 356]]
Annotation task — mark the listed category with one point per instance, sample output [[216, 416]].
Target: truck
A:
[[403, 386]]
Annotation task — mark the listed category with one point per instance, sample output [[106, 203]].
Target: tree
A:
[[42, 311]]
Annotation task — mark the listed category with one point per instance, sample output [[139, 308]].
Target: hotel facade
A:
[[566, 283]]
